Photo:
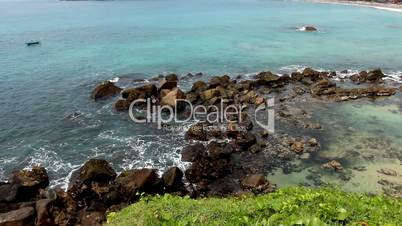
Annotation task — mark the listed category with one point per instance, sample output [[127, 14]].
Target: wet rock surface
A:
[[104, 90]]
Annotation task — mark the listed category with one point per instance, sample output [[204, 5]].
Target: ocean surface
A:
[[47, 117]]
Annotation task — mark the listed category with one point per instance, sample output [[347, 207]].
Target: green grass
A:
[[289, 206]]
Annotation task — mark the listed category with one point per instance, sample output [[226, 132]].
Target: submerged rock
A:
[[309, 28], [104, 90], [388, 172], [333, 164]]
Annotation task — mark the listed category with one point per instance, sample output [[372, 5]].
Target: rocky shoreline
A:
[[226, 158]]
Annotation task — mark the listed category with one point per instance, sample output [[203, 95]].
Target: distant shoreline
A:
[[375, 5]]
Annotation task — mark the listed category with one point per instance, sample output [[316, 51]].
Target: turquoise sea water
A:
[[86, 42]]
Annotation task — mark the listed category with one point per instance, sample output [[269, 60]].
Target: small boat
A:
[[32, 43]]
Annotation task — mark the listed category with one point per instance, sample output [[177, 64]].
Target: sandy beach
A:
[[375, 5]]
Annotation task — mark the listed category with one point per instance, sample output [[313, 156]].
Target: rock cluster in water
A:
[[226, 158]]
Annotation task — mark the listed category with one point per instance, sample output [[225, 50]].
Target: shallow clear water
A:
[[86, 42]]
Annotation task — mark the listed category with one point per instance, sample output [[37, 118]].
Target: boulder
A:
[[106, 89], [216, 81], [312, 74], [217, 150], [94, 170], [21, 217], [199, 87], [29, 182], [143, 92], [375, 75], [137, 180], [169, 82], [122, 105], [170, 99], [193, 152], [269, 79], [172, 177], [253, 181]]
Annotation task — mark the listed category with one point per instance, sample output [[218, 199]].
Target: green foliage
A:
[[289, 206]]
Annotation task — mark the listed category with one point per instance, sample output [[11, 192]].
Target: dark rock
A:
[[137, 180], [172, 177], [296, 76], [207, 169], [223, 186], [29, 182], [193, 152], [375, 75], [196, 132], [94, 170], [217, 150], [21, 217], [105, 89], [92, 218], [8, 192], [10, 206], [216, 81], [344, 72], [122, 105], [143, 92], [253, 181], [310, 28], [169, 82], [245, 140], [199, 87]]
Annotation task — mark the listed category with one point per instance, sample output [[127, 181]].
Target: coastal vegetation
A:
[[287, 206]]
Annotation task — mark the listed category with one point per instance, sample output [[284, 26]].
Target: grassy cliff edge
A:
[[287, 206]]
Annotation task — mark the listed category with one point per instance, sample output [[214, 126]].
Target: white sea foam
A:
[[116, 79]]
